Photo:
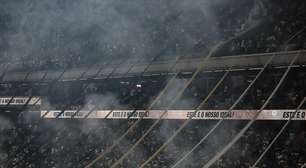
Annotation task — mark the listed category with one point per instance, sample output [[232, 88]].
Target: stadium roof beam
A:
[[238, 62]]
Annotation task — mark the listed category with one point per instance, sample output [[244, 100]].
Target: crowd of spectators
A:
[[283, 30], [173, 32], [176, 28], [139, 93], [74, 143], [33, 142]]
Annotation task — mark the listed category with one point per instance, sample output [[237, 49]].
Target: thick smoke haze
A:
[[57, 32], [104, 101], [5, 124], [43, 33]]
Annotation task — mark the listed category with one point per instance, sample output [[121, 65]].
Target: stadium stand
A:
[[62, 78]]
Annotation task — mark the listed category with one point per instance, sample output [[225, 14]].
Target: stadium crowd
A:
[[72, 143], [28, 141], [172, 33], [35, 142], [139, 93], [286, 21]]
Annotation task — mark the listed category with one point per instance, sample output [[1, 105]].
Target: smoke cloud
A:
[[5, 125], [88, 31]]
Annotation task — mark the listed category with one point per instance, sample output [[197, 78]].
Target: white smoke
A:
[[5, 125], [63, 30]]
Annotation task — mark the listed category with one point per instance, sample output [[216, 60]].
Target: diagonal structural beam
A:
[[230, 109], [132, 127], [79, 78], [277, 136], [187, 121], [83, 90], [199, 68], [143, 72], [249, 124], [15, 93], [165, 112], [233, 106]]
